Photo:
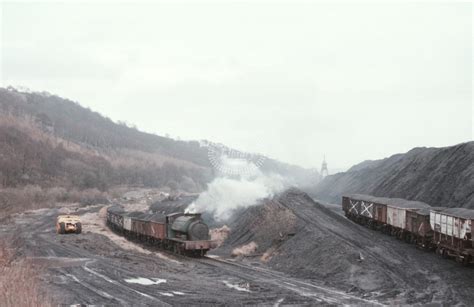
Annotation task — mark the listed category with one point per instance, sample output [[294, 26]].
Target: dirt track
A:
[[93, 268]]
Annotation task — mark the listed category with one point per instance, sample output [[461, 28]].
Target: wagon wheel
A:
[[439, 251], [467, 260], [444, 253]]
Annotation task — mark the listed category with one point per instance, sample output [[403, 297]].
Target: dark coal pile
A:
[[173, 204], [260, 229], [296, 235], [437, 176], [180, 203]]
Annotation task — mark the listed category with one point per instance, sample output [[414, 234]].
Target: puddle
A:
[[166, 294], [145, 281], [236, 287], [178, 293]]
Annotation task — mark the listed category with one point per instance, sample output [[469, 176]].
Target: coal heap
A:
[[294, 234], [440, 177]]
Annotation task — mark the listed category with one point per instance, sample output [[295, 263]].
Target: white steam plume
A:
[[226, 194]]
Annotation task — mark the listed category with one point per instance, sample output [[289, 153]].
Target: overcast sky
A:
[[293, 81]]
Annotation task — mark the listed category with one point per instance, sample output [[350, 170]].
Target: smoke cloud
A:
[[227, 193]]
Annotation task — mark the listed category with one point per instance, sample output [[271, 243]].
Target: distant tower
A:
[[324, 168]]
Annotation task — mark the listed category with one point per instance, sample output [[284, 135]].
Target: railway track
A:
[[317, 293], [404, 269], [390, 271]]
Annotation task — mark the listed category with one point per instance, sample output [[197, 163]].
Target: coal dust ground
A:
[[98, 267], [296, 235], [303, 253]]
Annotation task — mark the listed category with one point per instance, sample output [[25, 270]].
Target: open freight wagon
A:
[[448, 230], [453, 233], [398, 217]]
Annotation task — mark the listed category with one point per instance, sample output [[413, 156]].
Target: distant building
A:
[[324, 168]]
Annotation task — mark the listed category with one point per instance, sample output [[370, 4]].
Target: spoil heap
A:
[[294, 234], [440, 177]]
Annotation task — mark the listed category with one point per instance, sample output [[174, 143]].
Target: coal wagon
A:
[[446, 230], [364, 209], [453, 233], [418, 226], [398, 211], [388, 215]]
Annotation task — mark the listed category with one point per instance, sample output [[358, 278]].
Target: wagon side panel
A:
[[411, 221], [432, 220], [465, 229], [444, 229], [367, 209], [423, 227], [135, 226], [472, 237], [384, 214], [401, 218], [157, 230], [353, 206], [127, 223], [345, 204], [450, 227], [392, 216]]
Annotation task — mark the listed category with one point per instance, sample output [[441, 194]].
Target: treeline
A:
[[70, 121], [48, 141], [26, 161], [54, 142]]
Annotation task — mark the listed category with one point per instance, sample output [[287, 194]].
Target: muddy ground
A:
[[98, 267]]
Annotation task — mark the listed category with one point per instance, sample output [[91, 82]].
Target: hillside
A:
[[437, 176], [50, 142]]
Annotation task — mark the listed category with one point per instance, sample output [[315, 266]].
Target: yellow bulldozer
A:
[[68, 224]]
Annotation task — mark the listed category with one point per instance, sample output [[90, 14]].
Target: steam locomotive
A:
[[181, 233]]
